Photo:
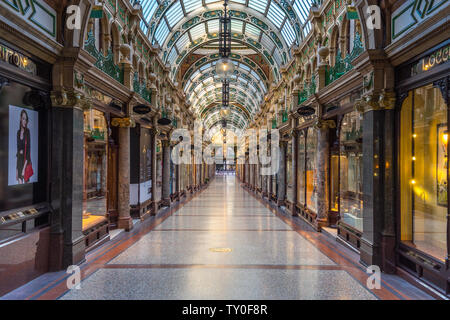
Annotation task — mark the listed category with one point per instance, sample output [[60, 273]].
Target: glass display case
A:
[[350, 167], [301, 158], [423, 171], [95, 164], [311, 164], [289, 174]]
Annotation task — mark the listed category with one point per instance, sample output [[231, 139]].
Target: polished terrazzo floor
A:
[[179, 258]]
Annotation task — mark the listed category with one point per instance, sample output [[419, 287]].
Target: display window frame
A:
[[290, 176], [38, 208], [356, 232], [420, 264], [95, 142], [300, 177]]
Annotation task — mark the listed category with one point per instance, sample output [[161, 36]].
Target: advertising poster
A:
[[23, 148]]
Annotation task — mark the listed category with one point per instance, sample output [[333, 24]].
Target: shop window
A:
[[334, 182], [23, 159], [350, 167], [423, 171], [311, 164], [95, 167], [289, 176], [301, 157], [159, 165]]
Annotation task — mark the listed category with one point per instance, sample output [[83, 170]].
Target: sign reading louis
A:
[[23, 146]]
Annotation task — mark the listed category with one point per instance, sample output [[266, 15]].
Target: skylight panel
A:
[[239, 1], [255, 75], [213, 26], [275, 14], [236, 25], [182, 42], [307, 28], [144, 27], [267, 42], [172, 56], [288, 33], [161, 32], [277, 57], [197, 31], [206, 66], [174, 14], [258, 5], [252, 31], [191, 5], [243, 66], [187, 85], [148, 8], [301, 8]]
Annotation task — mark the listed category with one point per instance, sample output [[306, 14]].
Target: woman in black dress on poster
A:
[[23, 148]]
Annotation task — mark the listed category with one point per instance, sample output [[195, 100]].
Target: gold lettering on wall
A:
[[12, 57]]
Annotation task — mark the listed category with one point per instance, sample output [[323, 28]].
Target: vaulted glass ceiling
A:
[[263, 33]]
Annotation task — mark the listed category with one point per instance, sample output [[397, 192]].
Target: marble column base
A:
[[154, 208], [369, 253], [321, 222], [74, 253], [388, 254], [56, 251], [165, 202], [125, 223]]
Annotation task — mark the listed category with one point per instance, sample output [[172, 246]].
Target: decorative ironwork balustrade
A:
[[308, 90], [343, 65], [104, 63], [141, 88]]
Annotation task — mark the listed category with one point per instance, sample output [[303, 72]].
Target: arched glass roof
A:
[[162, 16], [263, 33]]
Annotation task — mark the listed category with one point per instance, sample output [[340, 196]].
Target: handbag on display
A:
[[29, 168]]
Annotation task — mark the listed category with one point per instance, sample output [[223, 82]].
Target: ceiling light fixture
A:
[[225, 67]]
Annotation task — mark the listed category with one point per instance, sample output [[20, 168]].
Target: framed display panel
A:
[[24, 147], [351, 171], [310, 171], [95, 165], [159, 166], [424, 171], [301, 158], [289, 174], [423, 225]]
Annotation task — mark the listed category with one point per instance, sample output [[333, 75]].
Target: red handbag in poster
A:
[[29, 168]]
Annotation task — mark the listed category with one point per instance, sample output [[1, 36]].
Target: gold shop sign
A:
[[436, 58], [16, 59]]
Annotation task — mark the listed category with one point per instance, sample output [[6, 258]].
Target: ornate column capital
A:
[[375, 102], [387, 100], [324, 124], [123, 122], [70, 99]]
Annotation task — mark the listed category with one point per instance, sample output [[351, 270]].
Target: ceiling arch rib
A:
[[216, 92], [273, 61], [287, 16], [207, 77], [263, 32], [248, 70], [207, 23], [216, 97], [216, 106], [234, 88]]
